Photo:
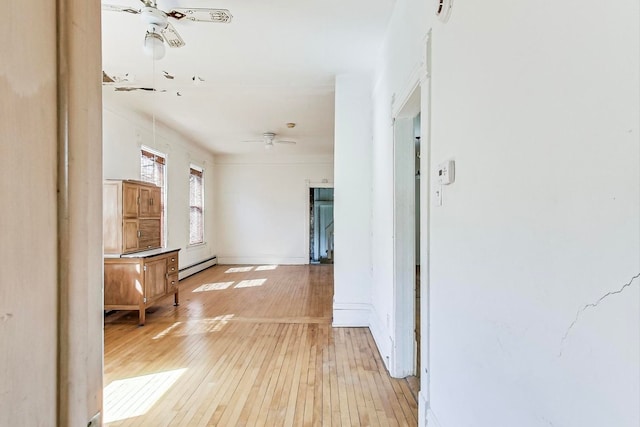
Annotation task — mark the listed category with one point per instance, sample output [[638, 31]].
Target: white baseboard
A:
[[262, 260], [423, 408], [431, 419], [381, 337], [196, 268], [351, 315]]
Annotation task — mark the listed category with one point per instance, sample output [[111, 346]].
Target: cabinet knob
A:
[[173, 259]]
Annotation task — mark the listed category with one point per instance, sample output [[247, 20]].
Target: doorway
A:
[[407, 237], [321, 249]]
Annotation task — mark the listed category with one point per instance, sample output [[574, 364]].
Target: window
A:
[[196, 206], [153, 170]]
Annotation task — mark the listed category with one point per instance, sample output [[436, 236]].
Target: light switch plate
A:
[[437, 195]]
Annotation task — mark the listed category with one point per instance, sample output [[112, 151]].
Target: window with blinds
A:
[[196, 206], [153, 170]]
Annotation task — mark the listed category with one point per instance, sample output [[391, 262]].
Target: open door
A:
[[321, 242]]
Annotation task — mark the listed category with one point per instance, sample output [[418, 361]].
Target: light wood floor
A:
[[249, 348]]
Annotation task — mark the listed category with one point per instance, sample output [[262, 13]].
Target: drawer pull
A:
[[173, 259], [173, 268]]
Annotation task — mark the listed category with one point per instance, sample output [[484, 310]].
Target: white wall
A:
[[51, 309], [544, 215], [124, 134], [352, 210], [28, 295], [534, 308], [262, 206]]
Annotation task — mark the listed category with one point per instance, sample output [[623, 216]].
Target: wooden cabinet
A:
[[132, 216], [136, 282]]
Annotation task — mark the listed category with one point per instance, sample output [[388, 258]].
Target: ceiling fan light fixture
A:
[[154, 45], [268, 137]]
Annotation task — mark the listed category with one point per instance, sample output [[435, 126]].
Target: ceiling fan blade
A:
[[282, 141], [131, 89], [201, 15], [106, 78], [172, 37], [116, 8]]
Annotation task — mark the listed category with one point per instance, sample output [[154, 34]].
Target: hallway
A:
[[249, 345]]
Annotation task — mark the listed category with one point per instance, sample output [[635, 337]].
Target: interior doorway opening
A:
[[321, 248], [407, 239]]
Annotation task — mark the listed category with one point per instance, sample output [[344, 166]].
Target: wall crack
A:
[[593, 305]]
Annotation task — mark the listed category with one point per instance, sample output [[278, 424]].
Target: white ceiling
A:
[[274, 63]]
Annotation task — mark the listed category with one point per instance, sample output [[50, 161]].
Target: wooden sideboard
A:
[[137, 281]]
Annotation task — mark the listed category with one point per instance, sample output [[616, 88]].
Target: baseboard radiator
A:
[[197, 267]]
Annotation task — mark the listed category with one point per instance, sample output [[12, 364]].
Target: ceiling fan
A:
[[269, 138], [159, 29]]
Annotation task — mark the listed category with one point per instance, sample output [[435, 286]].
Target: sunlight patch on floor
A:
[[166, 331], [213, 286], [205, 326], [266, 267], [197, 326], [239, 269], [253, 283], [132, 397]]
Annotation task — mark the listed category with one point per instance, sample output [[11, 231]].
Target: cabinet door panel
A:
[[155, 202], [130, 194], [122, 283], [145, 201], [149, 233], [130, 235], [155, 278]]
